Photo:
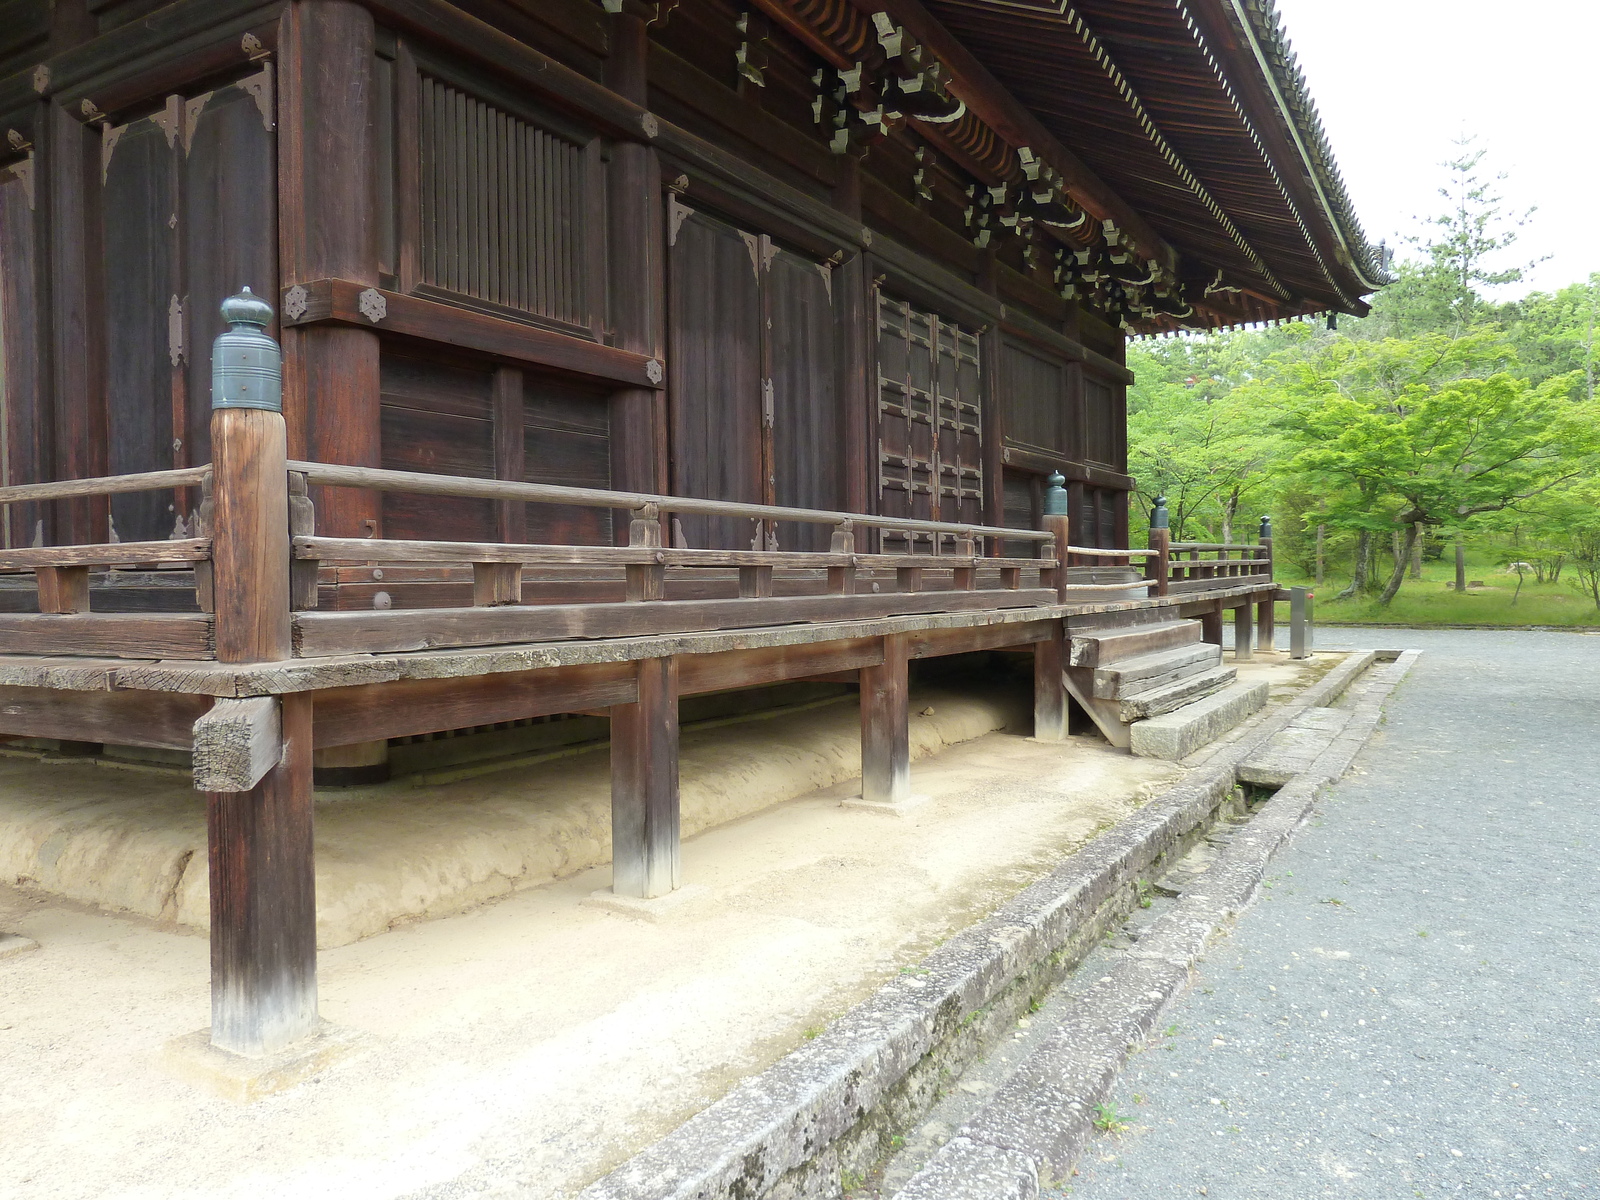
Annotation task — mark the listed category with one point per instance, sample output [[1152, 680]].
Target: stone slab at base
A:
[[235, 1077], [653, 910], [878, 806], [1178, 734], [12, 944]]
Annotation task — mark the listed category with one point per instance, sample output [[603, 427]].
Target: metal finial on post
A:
[[1266, 528], [246, 364], [1158, 516], [1055, 495]]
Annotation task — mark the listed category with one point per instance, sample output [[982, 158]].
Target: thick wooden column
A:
[[1243, 633], [263, 901], [250, 535], [327, 203], [638, 272], [1049, 692], [644, 785], [1211, 624], [885, 729]]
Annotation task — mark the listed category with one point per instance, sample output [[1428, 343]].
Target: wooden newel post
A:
[[263, 895], [1159, 566], [1049, 655], [1267, 610], [1056, 522]]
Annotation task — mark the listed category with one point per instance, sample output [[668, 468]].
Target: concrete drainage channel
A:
[[976, 1073]]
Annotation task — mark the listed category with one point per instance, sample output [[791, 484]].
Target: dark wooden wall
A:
[[831, 335]]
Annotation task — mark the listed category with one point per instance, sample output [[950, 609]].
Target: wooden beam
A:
[[338, 302], [116, 635], [321, 633], [160, 720], [122, 554], [263, 901], [1001, 111], [885, 726], [644, 785], [403, 708], [933, 643], [236, 742], [699, 673]]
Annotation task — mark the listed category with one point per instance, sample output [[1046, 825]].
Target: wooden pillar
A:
[[638, 271], [263, 901], [644, 785], [1266, 624], [1242, 633], [885, 729], [327, 204], [1211, 624], [1159, 567], [1049, 689], [263, 898]]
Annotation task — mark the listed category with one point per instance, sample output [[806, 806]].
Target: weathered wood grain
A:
[[885, 729], [644, 785], [388, 632], [122, 635], [162, 720], [236, 742]]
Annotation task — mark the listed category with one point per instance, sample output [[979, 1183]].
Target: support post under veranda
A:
[[263, 895], [1050, 708]]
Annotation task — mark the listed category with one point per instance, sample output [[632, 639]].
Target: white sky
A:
[[1396, 81]]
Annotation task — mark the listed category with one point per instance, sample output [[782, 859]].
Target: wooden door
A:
[[929, 421], [806, 432], [715, 387]]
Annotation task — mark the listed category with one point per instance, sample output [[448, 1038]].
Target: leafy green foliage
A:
[[1441, 416]]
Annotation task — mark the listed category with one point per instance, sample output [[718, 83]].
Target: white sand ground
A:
[[529, 1043]]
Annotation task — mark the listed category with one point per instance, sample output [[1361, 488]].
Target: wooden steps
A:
[[1132, 673], [1099, 649]]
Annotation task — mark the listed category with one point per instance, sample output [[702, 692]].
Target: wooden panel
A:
[[1033, 402], [163, 720], [145, 328], [1102, 413], [505, 208], [319, 633], [714, 311], [437, 417], [229, 227], [345, 716], [566, 432], [807, 425], [21, 390]]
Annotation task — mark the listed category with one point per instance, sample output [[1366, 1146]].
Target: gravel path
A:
[[1413, 1008]]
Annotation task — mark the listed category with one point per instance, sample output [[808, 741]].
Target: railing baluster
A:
[[646, 581]]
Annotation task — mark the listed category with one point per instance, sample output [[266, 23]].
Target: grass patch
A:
[[1433, 600]]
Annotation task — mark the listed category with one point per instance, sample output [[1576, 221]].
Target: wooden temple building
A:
[[630, 351]]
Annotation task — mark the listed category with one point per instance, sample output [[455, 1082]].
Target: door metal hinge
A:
[[767, 408]]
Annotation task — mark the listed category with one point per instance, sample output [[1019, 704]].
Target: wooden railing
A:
[[967, 568]]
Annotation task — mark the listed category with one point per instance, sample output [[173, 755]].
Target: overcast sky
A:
[[1397, 81]]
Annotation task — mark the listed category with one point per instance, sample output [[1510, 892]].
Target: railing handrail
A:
[[382, 479], [103, 485], [1214, 546]]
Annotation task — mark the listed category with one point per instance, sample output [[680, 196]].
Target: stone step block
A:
[[1180, 733]]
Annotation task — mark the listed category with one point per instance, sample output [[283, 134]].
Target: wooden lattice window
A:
[[930, 444], [506, 211]]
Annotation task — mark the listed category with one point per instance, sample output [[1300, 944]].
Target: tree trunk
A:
[[1400, 562], [1322, 531], [1363, 566], [1461, 567], [1416, 553]]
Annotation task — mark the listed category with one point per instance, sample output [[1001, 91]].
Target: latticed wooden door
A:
[[929, 422]]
